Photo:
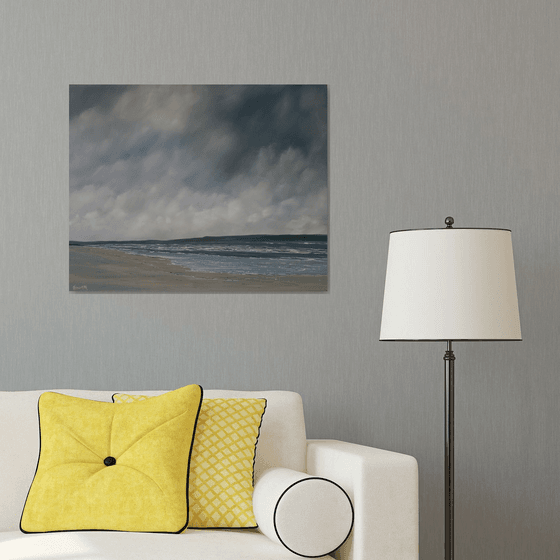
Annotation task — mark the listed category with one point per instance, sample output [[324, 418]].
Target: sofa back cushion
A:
[[282, 440]]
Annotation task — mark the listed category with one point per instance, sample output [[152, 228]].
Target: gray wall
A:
[[437, 108]]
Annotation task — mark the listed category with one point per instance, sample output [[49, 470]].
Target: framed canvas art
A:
[[209, 188]]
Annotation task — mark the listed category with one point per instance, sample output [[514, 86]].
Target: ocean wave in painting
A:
[[271, 255]]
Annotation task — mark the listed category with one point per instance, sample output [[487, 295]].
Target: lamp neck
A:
[[449, 355]]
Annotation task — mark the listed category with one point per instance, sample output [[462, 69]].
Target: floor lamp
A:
[[450, 284]]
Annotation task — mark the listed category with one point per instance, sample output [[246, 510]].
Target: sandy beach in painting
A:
[[94, 269]]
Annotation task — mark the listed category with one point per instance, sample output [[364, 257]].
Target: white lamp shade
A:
[[450, 284]]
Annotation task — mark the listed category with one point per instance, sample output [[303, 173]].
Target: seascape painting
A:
[[198, 189]]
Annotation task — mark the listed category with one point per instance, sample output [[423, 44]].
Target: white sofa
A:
[[382, 486]]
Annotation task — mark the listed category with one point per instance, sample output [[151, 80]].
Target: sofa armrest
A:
[[383, 487]]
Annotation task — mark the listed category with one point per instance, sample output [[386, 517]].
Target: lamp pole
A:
[[449, 359]]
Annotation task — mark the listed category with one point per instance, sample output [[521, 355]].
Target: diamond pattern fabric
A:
[[222, 462]]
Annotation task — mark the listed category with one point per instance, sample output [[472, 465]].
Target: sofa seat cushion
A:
[[207, 544]]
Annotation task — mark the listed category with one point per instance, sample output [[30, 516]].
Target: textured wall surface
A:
[[437, 107]]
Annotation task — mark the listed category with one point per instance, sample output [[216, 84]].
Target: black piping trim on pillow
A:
[[257, 440], [36, 467], [112, 530], [190, 455], [291, 486], [253, 477]]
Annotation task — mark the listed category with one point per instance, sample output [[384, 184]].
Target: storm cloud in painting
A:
[[170, 162]]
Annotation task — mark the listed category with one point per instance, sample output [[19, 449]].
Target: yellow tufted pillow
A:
[[107, 467], [222, 463]]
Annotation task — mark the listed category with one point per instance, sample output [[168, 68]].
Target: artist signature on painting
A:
[[79, 288]]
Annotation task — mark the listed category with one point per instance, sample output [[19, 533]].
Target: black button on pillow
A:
[[109, 461]]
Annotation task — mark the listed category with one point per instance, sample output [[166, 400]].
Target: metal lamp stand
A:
[[449, 359]]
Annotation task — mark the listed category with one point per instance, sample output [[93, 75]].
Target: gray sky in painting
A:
[[168, 162]]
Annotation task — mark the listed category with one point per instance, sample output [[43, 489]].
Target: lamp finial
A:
[[449, 221]]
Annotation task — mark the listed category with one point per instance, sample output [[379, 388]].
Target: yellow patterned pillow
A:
[[222, 463], [108, 467]]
